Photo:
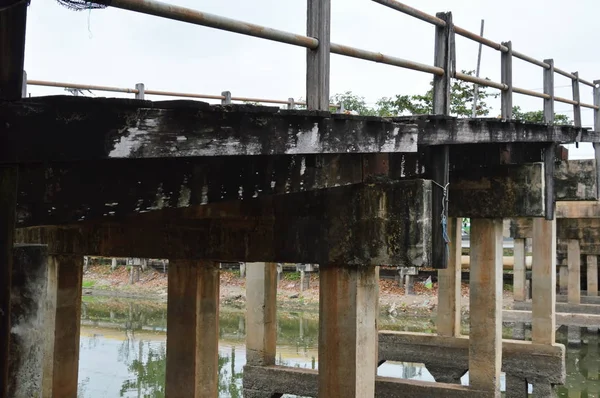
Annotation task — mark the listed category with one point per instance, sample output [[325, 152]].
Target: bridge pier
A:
[[193, 329], [348, 311]]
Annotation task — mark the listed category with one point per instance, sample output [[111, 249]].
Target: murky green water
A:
[[123, 350]]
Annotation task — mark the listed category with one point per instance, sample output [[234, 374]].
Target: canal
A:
[[123, 349]]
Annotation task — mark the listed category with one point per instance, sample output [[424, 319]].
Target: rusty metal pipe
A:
[[384, 59], [81, 86], [186, 95], [565, 100], [590, 106], [413, 12], [479, 39], [527, 58], [169, 11], [480, 81], [530, 93]]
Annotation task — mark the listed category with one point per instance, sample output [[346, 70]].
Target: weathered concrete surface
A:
[[592, 275], [49, 326], [485, 303], [261, 314], [66, 333], [28, 296], [574, 267], [587, 209], [519, 358], [568, 308], [575, 180], [193, 330], [449, 284], [498, 192], [348, 310], [519, 271], [118, 128], [273, 380], [374, 223], [543, 330], [582, 320]]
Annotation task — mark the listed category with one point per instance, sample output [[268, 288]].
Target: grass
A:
[[292, 276], [88, 284]]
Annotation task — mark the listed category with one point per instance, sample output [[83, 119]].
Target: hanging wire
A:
[[444, 219]]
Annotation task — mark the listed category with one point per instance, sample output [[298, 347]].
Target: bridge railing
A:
[[140, 92], [317, 42]]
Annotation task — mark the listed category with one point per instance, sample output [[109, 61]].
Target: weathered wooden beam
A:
[[375, 223], [498, 192], [99, 128]]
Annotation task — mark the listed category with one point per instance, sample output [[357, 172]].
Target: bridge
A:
[[200, 184]]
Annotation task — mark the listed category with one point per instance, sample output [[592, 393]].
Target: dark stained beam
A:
[[371, 223], [576, 180]]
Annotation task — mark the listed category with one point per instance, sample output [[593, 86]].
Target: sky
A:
[[119, 48]]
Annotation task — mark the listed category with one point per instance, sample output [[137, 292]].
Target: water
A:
[[123, 349]]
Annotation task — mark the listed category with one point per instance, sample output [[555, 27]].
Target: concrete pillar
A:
[[28, 297], [409, 285], [543, 389], [543, 311], [192, 329], [449, 292], [485, 307], [242, 270], [302, 277], [519, 331], [113, 265], [261, 313], [348, 311], [279, 272], [574, 335], [66, 294], [49, 326], [563, 279], [516, 387], [592, 275], [574, 263], [519, 271]]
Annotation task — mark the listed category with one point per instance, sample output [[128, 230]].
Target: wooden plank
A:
[[449, 284], [8, 198], [506, 96], [502, 192], [318, 25], [485, 330], [355, 224], [574, 265], [543, 329]]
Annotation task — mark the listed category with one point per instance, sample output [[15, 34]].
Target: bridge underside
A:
[[201, 184]]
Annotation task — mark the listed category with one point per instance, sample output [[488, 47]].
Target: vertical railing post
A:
[[577, 98], [141, 90], [24, 89], [597, 128], [549, 89], [439, 155], [227, 97], [506, 72], [317, 60], [291, 103]]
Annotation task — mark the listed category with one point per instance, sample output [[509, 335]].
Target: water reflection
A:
[[123, 350]]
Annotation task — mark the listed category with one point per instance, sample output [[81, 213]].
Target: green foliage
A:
[[353, 102], [292, 276], [88, 284], [538, 116]]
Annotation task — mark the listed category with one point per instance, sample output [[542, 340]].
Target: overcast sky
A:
[[120, 48]]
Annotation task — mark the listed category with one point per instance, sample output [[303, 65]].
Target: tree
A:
[[353, 102], [538, 116]]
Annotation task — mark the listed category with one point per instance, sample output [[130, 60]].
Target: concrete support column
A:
[[543, 306], [409, 281], [592, 275], [574, 263], [449, 292], [28, 297], [519, 271], [563, 279], [485, 337], [516, 387], [61, 371], [192, 329], [242, 270], [261, 313], [574, 335], [348, 340]]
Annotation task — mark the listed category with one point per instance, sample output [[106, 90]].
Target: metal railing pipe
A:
[[565, 100], [170, 11], [527, 58], [530, 93], [480, 39], [413, 12], [186, 95], [480, 81], [354, 52], [81, 86], [590, 106], [586, 82]]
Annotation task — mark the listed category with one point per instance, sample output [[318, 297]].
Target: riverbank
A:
[[100, 280]]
